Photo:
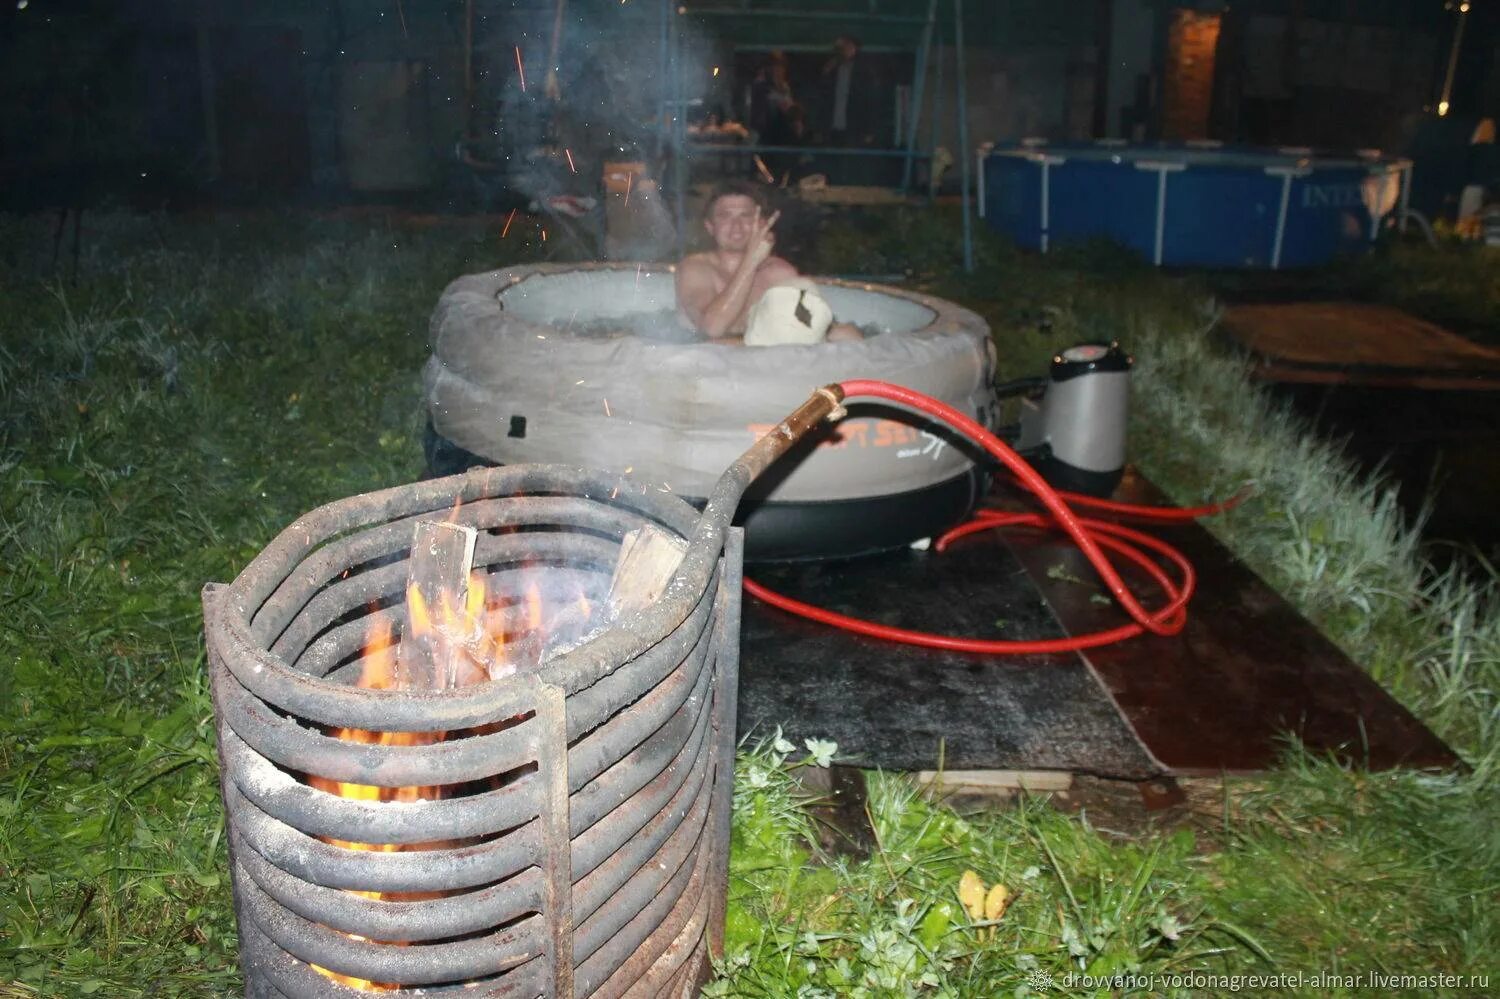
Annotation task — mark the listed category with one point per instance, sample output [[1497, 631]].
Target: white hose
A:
[[1423, 224]]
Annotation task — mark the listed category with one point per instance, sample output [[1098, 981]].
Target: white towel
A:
[[789, 313]]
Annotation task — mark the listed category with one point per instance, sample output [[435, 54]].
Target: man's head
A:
[[846, 47], [729, 215]]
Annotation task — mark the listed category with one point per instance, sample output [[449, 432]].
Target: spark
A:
[[629, 178], [569, 154], [521, 69], [716, 71], [638, 277], [629, 469], [508, 220], [606, 407], [544, 234], [765, 171], [578, 382], [614, 492]]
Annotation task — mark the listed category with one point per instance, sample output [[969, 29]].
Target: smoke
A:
[[551, 127]]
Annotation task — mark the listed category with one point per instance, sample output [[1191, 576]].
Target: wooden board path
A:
[[1358, 343]]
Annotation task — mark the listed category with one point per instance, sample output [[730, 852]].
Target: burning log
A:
[[432, 656]]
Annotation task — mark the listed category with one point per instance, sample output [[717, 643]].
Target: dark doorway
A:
[[262, 110]]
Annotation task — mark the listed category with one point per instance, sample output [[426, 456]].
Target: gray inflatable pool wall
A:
[[510, 381]]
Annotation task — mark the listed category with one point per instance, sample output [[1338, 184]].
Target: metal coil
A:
[[580, 845]]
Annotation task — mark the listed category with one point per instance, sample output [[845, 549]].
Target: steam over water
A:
[[662, 326]]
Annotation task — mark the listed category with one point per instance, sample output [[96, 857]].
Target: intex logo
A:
[[1332, 196]]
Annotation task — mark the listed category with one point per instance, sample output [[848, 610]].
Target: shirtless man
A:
[[716, 289]]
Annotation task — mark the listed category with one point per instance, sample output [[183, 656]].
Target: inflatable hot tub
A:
[[1193, 205], [587, 365]]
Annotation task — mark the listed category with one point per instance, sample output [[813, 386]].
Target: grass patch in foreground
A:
[[894, 925], [206, 383]]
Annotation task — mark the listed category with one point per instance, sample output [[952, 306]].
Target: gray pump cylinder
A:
[[1085, 420], [1076, 431]]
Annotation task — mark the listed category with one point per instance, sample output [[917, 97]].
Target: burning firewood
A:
[[432, 656]]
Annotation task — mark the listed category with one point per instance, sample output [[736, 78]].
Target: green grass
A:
[[206, 382], [1455, 284]]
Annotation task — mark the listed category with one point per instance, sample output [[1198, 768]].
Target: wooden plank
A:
[[1295, 374], [991, 781], [649, 556], [1358, 343], [442, 556]]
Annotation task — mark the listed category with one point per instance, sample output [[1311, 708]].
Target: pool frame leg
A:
[[1287, 174], [1161, 169]]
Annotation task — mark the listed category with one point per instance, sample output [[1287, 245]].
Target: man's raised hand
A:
[[762, 241]]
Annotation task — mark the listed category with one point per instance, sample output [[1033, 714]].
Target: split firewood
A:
[[431, 657], [649, 557]]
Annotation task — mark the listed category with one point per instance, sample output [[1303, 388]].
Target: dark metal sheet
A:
[[1246, 671], [902, 707], [1223, 696]]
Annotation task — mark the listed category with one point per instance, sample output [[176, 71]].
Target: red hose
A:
[[1092, 536], [1165, 514]]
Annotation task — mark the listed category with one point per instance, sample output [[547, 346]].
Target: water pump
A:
[[1073, 432]]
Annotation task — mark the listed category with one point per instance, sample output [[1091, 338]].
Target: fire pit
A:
[[556, 821]]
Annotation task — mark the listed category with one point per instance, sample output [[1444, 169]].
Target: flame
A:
[[418, 619], [474, 602], [475, 633], [379, 673]]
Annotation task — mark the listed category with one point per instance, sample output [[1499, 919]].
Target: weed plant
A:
[[203, 383]]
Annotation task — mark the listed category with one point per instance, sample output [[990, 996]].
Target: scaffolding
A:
[[672, 132]]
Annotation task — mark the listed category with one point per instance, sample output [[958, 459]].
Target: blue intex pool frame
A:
[[1195, 204]]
